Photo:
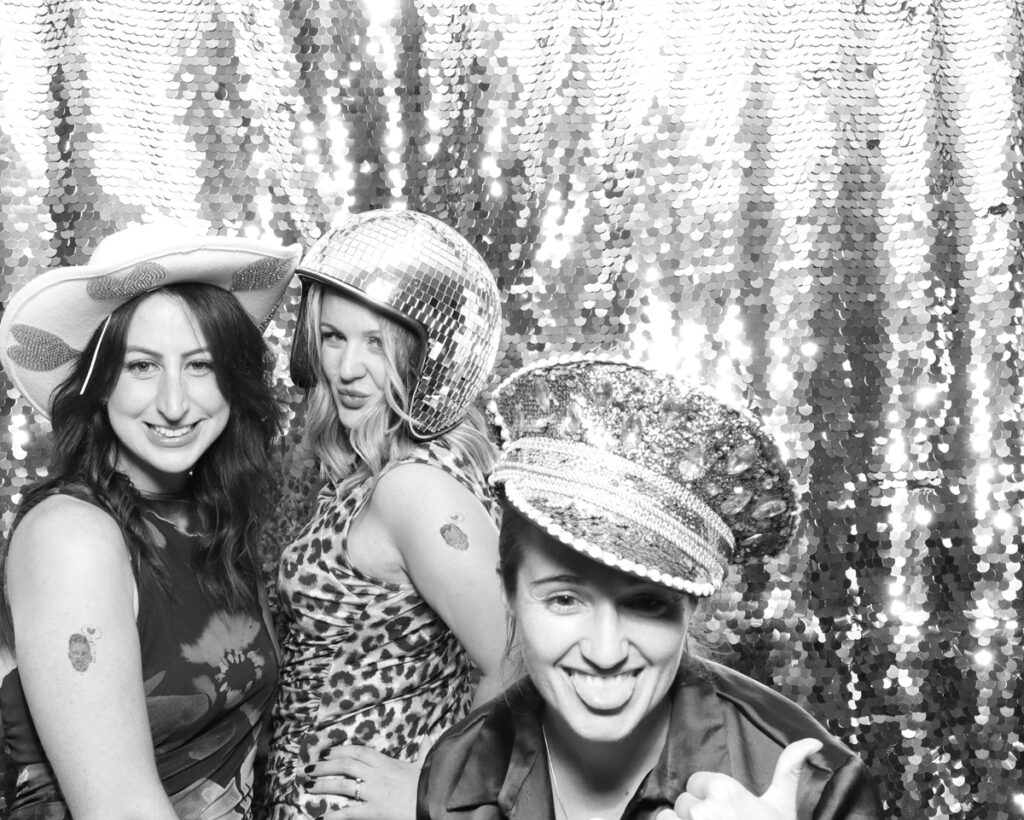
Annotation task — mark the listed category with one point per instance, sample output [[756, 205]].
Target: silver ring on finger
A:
[[355, 794]]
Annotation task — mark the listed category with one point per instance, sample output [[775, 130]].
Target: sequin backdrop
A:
[[816, 204]]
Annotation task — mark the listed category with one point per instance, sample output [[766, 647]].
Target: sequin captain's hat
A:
[[641, 471], [421, 272], [50, 320]]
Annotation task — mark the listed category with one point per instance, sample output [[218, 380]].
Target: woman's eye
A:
[[650, 605], [140, 367], [331, 337], [562, 602], [375, 343], [201, 366]]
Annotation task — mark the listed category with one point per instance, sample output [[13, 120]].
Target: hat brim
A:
[[50, 320], [581, 519]]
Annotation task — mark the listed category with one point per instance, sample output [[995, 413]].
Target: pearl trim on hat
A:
[[517, 498], [581, 472]]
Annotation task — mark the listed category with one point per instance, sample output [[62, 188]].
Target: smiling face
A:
[[166, 408], [602, 647], [352, 357]]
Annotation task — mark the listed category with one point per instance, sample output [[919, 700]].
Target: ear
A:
[[691, 603]]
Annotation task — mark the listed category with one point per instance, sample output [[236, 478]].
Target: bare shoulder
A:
[[419, 483], [411, 493], [62, 528], [415, 498]]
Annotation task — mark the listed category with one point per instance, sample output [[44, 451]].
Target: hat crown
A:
[[676, 434], [140, 241]]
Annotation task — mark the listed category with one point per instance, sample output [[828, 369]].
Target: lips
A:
[[603, 693], [352, 401], [172, 435]]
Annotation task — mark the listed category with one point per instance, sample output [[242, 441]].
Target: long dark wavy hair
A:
[[231, 483]]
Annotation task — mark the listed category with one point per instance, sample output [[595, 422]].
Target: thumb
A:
[[782, 793]]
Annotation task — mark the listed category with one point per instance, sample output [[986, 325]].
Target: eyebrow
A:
[[376, 329], [638, 585], [564, 578], [156, 354]]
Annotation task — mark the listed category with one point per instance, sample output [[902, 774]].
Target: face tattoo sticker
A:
[[82, 648]]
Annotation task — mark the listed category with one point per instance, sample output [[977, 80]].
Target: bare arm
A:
[[72, 596], [448, 547]]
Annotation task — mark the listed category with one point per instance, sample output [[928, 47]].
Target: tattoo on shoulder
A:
[[453, 534], [82, 648]]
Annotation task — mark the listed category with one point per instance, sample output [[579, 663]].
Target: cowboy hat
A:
[[49, 321]]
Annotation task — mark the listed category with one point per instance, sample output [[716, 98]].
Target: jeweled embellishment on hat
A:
[[632, 431], [603, 392], [140, 279], [573, 422], [542, 395], [261, 274], [741, 458], [671, 412], [39, 350], [691, 462], [768, 509], [686, 481], [739, 499]]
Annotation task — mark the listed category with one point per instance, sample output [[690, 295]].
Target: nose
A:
[[606, 646], [351, 364], [172, 398]]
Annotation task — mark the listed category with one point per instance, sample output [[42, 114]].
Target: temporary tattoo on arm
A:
[[82, 648], [452, 533]]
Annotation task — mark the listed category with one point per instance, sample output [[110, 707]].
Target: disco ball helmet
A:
[[419, 271]]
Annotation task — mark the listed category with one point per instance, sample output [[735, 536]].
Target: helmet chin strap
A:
[[299, 368], [95, 355]]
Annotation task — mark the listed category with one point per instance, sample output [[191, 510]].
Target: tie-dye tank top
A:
[[209, 677]]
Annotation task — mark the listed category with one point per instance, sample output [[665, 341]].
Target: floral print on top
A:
[[209, 678], [363, 662]]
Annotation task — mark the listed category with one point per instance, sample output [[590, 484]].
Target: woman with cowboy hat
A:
[[388, 597], [626, 493], [144, 663]]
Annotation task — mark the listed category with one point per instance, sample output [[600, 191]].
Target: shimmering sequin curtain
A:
[[815, 204]]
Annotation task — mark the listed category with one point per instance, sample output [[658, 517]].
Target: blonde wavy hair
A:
[[349, 457]]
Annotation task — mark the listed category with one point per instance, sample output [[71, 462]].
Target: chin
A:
[[349, 418], [610, 728]]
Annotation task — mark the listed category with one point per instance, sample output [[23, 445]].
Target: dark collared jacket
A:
[[493, 765]]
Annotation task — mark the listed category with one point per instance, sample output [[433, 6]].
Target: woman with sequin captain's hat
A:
[[390, 609], [626, 493], [141, 664]]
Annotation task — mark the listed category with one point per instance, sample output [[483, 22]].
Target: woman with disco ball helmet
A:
[[626, 493], [391, 620]]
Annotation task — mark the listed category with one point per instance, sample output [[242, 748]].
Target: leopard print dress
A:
[[364, 662]]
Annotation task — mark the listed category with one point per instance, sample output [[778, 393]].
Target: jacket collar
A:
[[507, 766], [696, 736]]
